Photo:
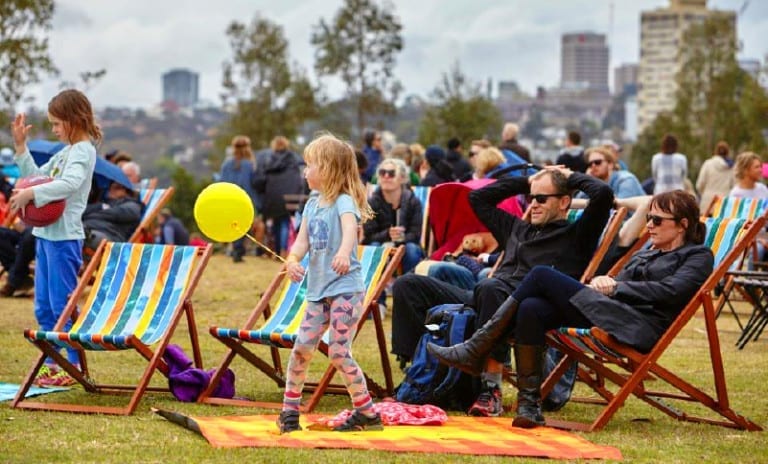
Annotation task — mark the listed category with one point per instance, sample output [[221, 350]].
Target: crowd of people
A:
[[347, 197]]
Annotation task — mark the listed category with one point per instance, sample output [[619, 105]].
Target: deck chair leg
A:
[[193, 336], [27, 383], [216, 378]]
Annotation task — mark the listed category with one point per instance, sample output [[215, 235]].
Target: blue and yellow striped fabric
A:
[[422, 193], [734, 207], [136, 292], [282, 326], [150, 197]]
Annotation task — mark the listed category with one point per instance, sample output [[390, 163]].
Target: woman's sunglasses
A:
[[657, 220], [387, 172]]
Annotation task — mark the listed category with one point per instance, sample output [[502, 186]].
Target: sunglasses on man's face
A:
[[543, 197], [387, 172], [596, 162], [657, 220]]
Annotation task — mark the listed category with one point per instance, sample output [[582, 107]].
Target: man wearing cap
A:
[[462, 170], [438, 171]]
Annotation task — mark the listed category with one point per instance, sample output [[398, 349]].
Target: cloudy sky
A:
[[138, 40]]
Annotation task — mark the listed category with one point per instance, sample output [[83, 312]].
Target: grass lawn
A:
[[225, 296]]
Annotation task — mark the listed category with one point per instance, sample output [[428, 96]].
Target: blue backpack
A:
[[426, 380]]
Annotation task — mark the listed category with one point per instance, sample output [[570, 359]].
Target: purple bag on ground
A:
[[187, 382]]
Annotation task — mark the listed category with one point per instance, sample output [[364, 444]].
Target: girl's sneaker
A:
[[43, 374], [358, 422], [288, 421], [59, 379]]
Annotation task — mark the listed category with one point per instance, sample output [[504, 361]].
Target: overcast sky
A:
[[138, 40]]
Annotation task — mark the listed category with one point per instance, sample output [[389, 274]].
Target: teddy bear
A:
[[472, 246]]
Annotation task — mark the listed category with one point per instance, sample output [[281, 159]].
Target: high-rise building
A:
[[181, 86], [584, 61], [625, 79], [661, 36]]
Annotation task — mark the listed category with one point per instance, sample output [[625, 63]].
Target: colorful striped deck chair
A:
[[281, 325], [422, 193], [154, 200], [734, 207], [599, 352], [139, 295]]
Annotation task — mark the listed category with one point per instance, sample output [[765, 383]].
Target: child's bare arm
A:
[[341, 261], [298, 250]]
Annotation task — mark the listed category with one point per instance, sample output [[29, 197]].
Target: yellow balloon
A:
[[224, 212]]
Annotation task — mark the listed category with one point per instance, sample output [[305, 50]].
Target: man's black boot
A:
[[470, 356]]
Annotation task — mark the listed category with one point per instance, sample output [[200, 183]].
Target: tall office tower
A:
[[661, 36], [181, 86], [584, 61], [625, 79]]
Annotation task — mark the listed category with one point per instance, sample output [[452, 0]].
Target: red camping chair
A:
[[451, 217]]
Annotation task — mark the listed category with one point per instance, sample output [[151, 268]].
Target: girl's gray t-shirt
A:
[[324, 232]]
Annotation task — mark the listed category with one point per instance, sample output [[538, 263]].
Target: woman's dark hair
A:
[[722, 149], [669, 144], [682, 205], [73, 107]]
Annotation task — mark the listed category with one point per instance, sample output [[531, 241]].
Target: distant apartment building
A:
[[584, 60], [661, 36], [181, 87], [625, 79]]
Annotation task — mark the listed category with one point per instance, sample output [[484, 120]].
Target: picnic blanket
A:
[[459, 435], [8, 390]]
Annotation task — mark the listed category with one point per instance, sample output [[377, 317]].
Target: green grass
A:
[[225, 296]]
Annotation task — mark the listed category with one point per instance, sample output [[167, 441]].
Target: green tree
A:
[[459, 109], [24, 57], [360, 46], [269, 97]]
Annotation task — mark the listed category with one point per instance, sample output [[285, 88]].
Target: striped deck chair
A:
[[422, 193], [139, 295], [598, 351], [734, 207], [281, 325], [154, 200]]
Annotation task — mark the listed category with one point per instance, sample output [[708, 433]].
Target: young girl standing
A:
[[335, 288], [58, 252]]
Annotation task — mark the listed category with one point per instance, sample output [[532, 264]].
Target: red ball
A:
[[44, 215]]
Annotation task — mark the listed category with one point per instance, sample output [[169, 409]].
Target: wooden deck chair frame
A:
[[182, 307], [600, 349], [274, 369], [152, 209]]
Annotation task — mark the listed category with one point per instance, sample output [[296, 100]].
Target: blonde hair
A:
[[510, 131], [400, 167], [743, 161], [337, 168], [487, 160], [241, 149], [604, 150]]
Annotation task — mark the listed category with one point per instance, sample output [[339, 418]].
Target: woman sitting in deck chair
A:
[[636, 307]]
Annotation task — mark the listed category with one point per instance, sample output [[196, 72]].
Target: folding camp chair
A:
[[281, 326], [140, 293], [154, 200], [597, 350]]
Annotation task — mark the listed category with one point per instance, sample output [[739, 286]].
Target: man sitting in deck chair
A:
[[114, 219], [549, 239], [636, 307]]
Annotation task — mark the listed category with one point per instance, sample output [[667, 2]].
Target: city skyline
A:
[[517, 41]]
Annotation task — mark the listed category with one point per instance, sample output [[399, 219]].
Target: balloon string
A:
[[266, 248]]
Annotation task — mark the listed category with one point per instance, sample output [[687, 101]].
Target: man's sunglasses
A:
[[597, 162], [657, 220], [543, 197], [387, 172]]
